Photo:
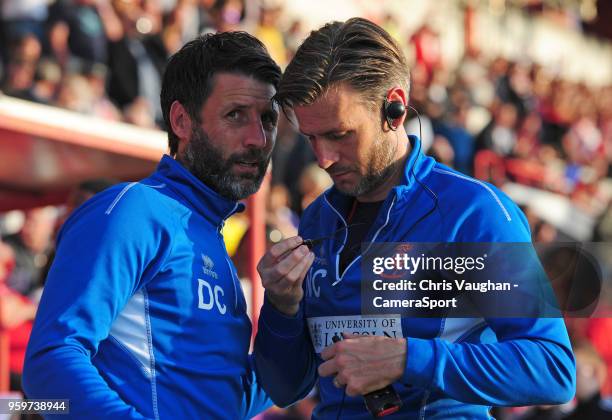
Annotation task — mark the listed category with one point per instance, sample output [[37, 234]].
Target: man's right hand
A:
[[282, 270]]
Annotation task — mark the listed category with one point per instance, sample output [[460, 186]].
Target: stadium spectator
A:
[[75, 94], [16, 315], [20, 18], [47, 81], [428, 53], [268, 30], [21, 67], [225, 15], [31, 246], [500, 135], [76, 29], [136, 55], [590, 377], [102, 106], [293, 38], [453, 129]]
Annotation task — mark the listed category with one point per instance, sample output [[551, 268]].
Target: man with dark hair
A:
[[348, 88], [142, 314]]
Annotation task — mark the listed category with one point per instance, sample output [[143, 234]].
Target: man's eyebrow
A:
[[235, 105], [328, 132], [242, 105], [268, 111]]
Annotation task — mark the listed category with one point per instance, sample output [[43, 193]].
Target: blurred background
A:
[[514, 92]]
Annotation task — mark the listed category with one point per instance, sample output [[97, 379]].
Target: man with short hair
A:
[[348, 88], [143, 315]]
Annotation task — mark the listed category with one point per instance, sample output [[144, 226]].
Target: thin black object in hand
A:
[[311, 243]]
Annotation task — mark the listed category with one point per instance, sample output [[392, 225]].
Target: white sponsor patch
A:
[[323, 328]]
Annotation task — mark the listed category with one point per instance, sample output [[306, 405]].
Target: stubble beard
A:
[[379, 168]]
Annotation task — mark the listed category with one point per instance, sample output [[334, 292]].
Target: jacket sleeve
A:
[[284, 356], [256, 400], [101, 261], [531, 362]]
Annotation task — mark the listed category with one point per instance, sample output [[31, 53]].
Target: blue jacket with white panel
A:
[[456, 367], [142, 314]]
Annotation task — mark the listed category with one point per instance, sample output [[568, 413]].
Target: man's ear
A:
[[180, 122]]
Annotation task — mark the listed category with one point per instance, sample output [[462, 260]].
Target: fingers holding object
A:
[[275, 253], [298, 272], [288, 263], [291, 266]]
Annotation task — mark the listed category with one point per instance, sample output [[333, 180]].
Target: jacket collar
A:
[[417, 163], [198, 195]]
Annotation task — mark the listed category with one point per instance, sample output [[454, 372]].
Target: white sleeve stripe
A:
[[482, 184], [121, 194], [154, 186]]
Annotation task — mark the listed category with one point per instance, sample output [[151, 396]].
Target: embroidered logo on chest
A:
[[208, 266]]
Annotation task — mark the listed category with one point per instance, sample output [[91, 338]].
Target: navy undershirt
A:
[[360, 218]]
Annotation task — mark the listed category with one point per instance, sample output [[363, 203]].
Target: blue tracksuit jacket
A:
[[456, 367], [143, 315]]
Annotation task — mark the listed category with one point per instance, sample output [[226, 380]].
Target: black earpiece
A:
[[393, 110]]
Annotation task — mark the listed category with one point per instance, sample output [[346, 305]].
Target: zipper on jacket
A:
[[338, 278], [229, 264]]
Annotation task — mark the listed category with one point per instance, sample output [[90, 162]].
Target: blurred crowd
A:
[[499, 120], [105, 57]]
